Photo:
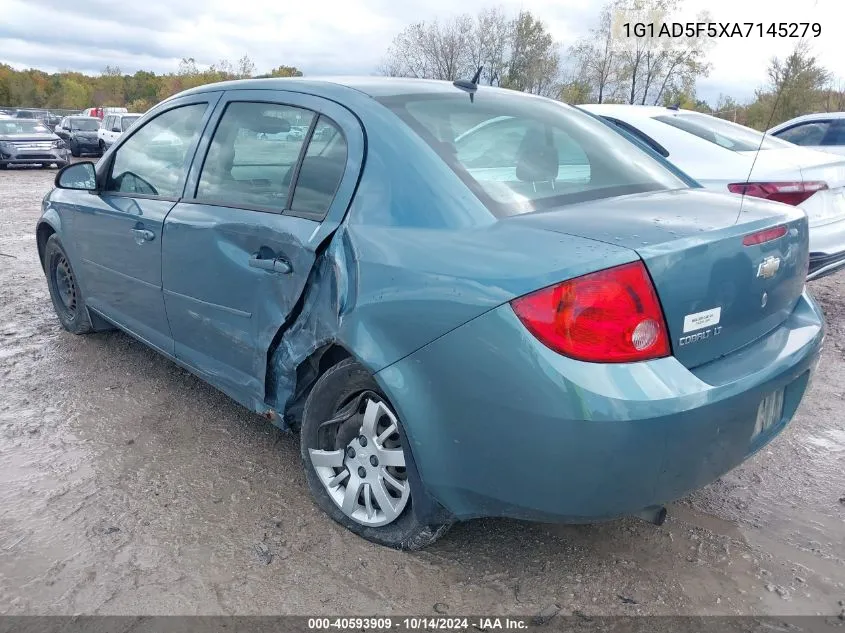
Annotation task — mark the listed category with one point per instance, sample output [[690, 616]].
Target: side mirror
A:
[[80, 176], [115, 129]]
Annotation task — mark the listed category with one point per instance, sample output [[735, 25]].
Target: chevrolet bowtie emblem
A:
[[768, 267]]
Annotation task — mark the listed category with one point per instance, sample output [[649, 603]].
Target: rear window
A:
[[521, 154], [724, 133], [84, 123]]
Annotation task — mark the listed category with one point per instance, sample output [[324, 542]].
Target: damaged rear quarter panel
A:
[[416, 256]]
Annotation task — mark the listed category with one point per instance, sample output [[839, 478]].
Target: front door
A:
[[119, 229], [276, 180]]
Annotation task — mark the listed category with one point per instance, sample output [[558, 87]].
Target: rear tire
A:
[[395, 525], [64, 289], [102, 147]]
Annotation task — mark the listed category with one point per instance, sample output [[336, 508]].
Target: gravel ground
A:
[[127, 486]]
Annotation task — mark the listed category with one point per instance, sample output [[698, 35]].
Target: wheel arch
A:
[[49, 224]]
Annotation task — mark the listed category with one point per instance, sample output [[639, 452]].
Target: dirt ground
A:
[[127, 486]]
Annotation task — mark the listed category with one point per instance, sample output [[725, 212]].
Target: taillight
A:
[[793, 193], [610, 316], [766, 235]]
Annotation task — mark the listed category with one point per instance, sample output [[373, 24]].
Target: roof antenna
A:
[[469, 85], [757, 153], [676, 106]]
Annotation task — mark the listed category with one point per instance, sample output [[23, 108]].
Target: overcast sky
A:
[[350, 36]]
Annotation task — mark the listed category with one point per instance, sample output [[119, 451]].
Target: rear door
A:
[[238, 249], [119, 230]]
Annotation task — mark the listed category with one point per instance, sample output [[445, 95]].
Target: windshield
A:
[[22, 126], [520, 154], [85, 123], [724, 133], [127, 122]]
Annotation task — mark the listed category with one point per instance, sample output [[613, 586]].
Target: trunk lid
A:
[[717, 294]]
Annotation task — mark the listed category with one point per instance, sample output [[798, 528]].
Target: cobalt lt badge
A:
[[768, 267]]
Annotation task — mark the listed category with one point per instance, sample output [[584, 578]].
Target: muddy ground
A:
[[127, 486]]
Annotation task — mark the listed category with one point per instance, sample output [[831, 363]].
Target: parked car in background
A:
[[102, 112], [29, 142], [112, 127], [37, 115], [80, 134], [546, 322], [824, 131], [720, 155]]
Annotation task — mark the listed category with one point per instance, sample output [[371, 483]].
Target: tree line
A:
[[138, 92]]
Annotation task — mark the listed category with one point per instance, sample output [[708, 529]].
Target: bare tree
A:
[[489, 45], [517, 53]]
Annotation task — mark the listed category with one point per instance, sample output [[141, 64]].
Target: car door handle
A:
[[276, 265], [143, 235]]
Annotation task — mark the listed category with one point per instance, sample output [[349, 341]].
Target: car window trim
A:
[[210, 99]]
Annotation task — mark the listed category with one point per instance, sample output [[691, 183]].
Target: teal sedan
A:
[[467, 301]]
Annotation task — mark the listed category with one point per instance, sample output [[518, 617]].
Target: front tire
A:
[[64, 289], [102, 147], [355, 464], [74, 149]]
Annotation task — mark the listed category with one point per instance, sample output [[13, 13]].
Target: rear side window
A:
[[521, 154], [153, 160], [127, 121], [806, 134], [253, 155], [321, 171], [723, 133]]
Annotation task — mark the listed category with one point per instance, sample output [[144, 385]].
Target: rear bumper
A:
[[827, 249], [499, 425]]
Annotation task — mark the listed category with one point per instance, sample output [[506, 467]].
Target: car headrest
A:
[[537, 158]]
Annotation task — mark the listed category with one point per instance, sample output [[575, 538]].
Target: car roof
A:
[[624, 109], [804, 118], [375, 87]]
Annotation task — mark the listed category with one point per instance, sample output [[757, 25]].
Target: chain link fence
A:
[[59, 112]]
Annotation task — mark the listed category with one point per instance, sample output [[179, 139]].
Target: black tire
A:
[[336, 388], [46, 165], [103, 147], [64, 289], [74, 149]]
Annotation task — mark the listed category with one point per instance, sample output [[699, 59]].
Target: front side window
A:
[[835, 134], [726, 134], [806, 134], [521, 154], [252, 155], [153, 160], [127, 121]]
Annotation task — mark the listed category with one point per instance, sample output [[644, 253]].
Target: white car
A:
[[824, 131], [723, 156], [113, 126]]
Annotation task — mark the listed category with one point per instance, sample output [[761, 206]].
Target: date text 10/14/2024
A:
[[418, 623]]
